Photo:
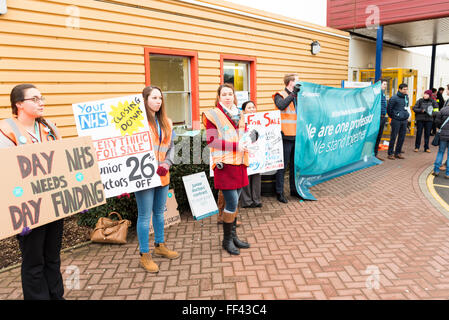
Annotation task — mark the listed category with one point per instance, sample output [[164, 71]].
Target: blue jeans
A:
[[150, 202], [442, 148], [232, 199]]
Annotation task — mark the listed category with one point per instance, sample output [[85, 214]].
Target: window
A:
[[175, 72], [240, 71], [171, 74]]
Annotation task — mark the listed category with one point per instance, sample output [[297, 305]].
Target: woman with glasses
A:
[[40, 247]]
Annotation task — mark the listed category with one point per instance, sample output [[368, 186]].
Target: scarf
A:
[[233, 113]]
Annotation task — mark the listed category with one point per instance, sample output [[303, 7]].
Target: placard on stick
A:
[[45, 182]]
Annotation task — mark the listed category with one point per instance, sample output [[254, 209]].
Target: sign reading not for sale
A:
[[122, 140], [45, 182]]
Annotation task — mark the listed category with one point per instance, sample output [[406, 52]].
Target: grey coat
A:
[[439, 120]]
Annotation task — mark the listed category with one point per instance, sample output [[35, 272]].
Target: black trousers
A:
[[289, 161], [41, 262], [398, 129], [383, 119], [427, 127]]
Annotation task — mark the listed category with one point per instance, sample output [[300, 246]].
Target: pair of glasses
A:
[[36, 99]]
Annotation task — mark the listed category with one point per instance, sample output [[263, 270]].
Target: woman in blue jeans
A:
[[151, 202], [441, 122]]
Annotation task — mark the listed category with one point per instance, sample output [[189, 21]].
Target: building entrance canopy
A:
[[411, 34], [406, 23]]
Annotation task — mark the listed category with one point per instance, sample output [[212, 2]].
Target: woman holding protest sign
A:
[[225, 127], [251, 193], [40, 247], [152, 201]]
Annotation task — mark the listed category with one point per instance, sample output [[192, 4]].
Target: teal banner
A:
[[335, 134]]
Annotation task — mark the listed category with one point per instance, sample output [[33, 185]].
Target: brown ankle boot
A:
[[147, 263], [161, 250]]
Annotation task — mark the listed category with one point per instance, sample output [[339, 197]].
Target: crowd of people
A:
[[225, 126], [431, 116]]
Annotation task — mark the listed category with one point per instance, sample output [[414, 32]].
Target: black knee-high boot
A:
[[238, 243], [228, 243]]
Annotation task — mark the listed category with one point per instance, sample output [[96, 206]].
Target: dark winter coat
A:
[[439, 120], [420, 109], [397, 107]]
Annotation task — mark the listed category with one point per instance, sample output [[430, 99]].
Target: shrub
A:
[[191, 156]]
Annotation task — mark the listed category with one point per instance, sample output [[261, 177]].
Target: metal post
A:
[[432, 65], [379, 47]]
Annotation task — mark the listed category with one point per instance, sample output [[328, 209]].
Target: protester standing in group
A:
[[286, 101], [397, 111], [40, 247], [441, 120], [440, 99], [424, 109], [225, 126], [446, 103], [434, 97], [151, 202], [251, 193], [383, 117]]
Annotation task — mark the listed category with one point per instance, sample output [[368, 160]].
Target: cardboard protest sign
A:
[[199, 194], [122, 140], [267, 153], [171, 214], [45, 182]]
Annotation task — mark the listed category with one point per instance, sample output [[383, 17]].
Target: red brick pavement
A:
[[367, 225]]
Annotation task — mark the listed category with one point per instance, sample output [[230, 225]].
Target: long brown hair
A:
[[225, 85], [161, 114], [18, 95]]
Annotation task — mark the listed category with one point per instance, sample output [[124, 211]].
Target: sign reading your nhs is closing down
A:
[[122, 140]]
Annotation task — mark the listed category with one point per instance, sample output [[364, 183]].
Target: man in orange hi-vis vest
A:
[[285, 100]]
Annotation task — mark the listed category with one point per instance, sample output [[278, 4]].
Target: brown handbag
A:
[[110, 231]]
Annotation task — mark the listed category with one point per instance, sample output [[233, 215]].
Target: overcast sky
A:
[[314, 11]]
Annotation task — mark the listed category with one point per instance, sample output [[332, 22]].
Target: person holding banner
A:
[[251, 193], [151, 202], [225, 126], [285, 101], [40, 247], [383, 117]]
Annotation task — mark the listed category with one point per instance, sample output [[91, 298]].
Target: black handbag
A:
[[436, 138]]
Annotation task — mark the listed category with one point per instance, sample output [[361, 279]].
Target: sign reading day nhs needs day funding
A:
[[122, 140], [44, 182], [335, 134], [267, 153]]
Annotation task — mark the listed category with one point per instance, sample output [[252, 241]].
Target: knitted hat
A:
[[429, 92]]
